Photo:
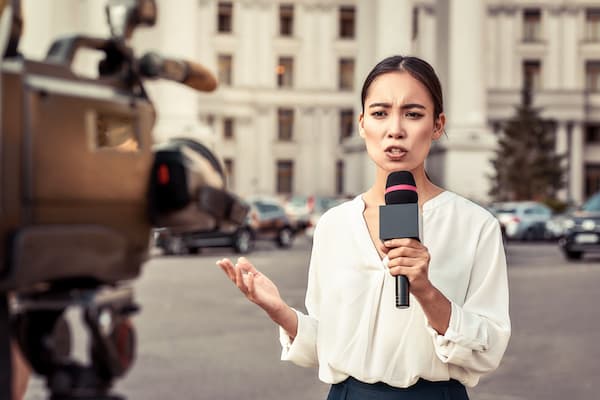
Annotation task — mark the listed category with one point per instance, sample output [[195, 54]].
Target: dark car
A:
[[266, 221], [173, 243], [270, 222], [582, 230]]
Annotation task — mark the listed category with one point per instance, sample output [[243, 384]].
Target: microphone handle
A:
[[402, 297]]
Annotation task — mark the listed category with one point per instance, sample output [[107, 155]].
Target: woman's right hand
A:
[[261, 291], [256, 287]]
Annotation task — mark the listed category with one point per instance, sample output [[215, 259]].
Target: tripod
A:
[[44, 337]]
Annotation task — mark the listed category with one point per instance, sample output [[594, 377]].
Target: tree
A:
[[526, 164]]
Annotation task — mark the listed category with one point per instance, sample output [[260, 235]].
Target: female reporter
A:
[[457, 327]]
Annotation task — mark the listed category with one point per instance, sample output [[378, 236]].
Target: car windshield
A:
[[593, 204], [298, 201], [506, 211]]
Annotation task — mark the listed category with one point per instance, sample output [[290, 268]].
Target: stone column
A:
[[393, 27], [570, 53], [264, 59], [551, 66], [326, 63], [508, 65], [576, 164], [245, 56], [426, 35], [470, 145]]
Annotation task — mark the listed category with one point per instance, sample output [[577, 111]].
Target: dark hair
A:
[[418, 69]]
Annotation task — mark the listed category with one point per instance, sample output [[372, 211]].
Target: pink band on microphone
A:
[[400, 187]]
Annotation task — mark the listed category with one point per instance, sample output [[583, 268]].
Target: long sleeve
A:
[[479, 329], [302, 350]]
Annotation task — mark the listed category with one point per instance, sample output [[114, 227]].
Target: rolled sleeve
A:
[[302, 350], [479, 330]]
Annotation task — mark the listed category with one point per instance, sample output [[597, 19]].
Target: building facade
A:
[[284, 117]]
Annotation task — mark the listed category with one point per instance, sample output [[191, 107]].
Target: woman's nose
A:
[[395, 129], [396, 134]]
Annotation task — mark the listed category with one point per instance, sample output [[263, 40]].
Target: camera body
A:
[[76, 156]]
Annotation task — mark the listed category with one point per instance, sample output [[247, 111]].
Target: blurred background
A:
[[521, 82]]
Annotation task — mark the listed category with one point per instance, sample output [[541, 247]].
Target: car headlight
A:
[[588, 225], [569, 224]]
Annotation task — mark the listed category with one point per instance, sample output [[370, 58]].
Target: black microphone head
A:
[[400, 188]]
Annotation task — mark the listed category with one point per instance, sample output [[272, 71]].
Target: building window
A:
[[286, 19], [592, 134], [285, 124], [415, 23], [285, 72], [532, 75], [346, 123], [225, 63], [592, 76], [228, 129], [229, 175], [347, 22], [224, 17], [592, 24], [346, 74], [285, 176], [592, 179], [532, 25], [339, 177]]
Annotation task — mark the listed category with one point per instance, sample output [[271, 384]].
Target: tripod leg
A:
[[5, 353]]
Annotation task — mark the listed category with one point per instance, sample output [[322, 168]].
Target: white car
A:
[[523, 220]]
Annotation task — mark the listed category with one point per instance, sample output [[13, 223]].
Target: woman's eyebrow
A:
[[404, 106]]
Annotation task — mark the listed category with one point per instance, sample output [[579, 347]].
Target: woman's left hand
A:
[[410, 258]]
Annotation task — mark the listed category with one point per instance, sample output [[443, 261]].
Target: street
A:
[[198, 337]]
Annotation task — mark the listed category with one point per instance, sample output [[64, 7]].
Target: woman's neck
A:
[[426, 190]]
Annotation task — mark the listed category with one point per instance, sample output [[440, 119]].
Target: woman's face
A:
[[398, 123]]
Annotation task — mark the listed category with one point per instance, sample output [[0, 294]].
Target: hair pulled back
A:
[[418, 68]]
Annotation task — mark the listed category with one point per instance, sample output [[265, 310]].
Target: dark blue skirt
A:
[[352, 389]]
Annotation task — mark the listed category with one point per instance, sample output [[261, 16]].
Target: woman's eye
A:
[[414, 115], [378, 113]]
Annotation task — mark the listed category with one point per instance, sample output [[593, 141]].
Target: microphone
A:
[[399, 218], [153, 65]]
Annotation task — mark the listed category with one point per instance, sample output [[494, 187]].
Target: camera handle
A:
[[119, 57]]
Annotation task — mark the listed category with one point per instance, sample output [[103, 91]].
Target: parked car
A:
[[582, 230], [174, 243], [523, 220], [298, 209], [266, 220], [269, 221]]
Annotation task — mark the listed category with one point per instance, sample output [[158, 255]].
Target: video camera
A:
[[81, 186]]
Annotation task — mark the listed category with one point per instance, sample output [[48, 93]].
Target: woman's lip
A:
[[390, 148], [396, 156]]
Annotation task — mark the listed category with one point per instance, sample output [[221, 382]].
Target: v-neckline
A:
[[365, 226]]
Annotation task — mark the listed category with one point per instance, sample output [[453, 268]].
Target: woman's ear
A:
[[438, 128], [361, 129]]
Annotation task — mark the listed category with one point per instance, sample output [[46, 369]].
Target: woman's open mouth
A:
[[395, 153]]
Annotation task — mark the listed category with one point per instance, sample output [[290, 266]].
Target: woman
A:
[[457, 327]]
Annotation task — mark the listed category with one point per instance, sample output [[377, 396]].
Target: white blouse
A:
[[353, 327]]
